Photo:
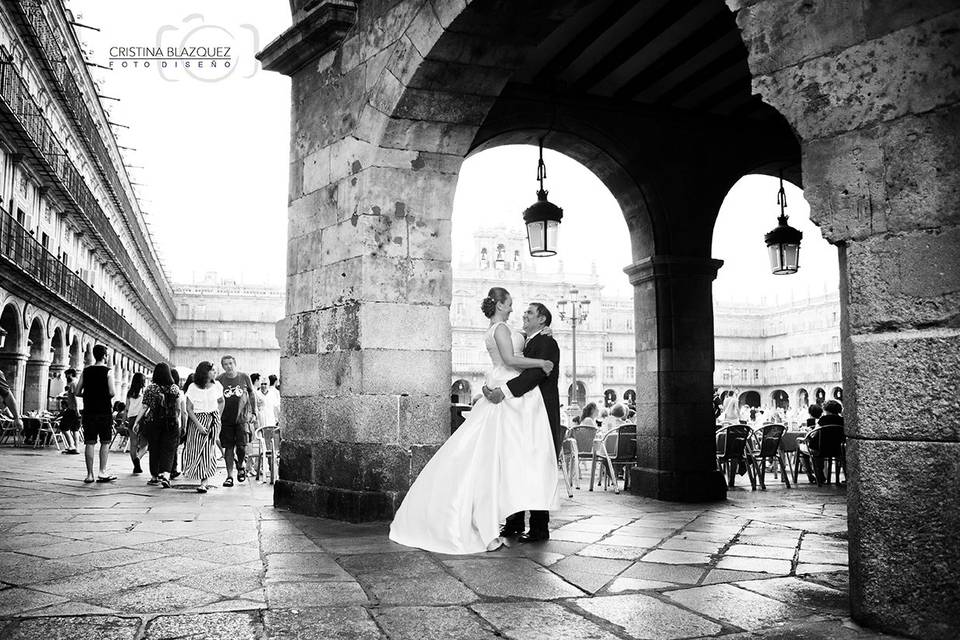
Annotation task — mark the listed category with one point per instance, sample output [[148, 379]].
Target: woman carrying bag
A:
[[204, 406], [159, 421]]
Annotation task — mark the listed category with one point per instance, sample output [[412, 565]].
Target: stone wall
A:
[[872, 89]]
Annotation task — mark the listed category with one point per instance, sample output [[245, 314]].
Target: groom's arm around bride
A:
[[546, 348]]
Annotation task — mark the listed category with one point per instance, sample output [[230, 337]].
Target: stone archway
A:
[[12, 354], [390, 97], [37, 368]]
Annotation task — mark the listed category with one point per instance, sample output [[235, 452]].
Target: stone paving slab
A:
[[127, 561]]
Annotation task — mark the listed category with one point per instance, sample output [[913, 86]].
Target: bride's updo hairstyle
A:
[[489, 304]]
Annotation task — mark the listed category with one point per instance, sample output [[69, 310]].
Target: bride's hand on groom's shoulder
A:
[[547, 330]]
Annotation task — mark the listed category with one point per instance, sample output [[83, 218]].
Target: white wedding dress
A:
[[500, 461]]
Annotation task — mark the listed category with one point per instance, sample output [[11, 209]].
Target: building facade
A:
[[76, 264], [217, 316], [783, 355]]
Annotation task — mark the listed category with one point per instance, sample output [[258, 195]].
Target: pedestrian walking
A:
[[205, 403], [159, 419], [136, 442], [239, 403], [70, 422], [97, 389]]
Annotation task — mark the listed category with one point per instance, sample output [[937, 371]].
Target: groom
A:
[[535, 318]]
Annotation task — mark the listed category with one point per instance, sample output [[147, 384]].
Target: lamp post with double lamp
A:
[[579, 307]]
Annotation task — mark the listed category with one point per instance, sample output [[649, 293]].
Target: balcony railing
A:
[[51, 49], [17, 98], [28, 255]]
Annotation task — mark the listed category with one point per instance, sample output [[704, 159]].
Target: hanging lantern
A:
[[542, 218], [783, 243]]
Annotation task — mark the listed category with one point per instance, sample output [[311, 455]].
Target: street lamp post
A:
[[579, 307]]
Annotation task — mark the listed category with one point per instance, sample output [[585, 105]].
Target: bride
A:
[[499, 462]]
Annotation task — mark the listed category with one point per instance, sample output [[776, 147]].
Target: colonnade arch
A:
[[408, 89]]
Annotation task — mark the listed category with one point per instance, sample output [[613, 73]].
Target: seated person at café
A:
[[588, 417], [808, 448], [616, 418], [814, 411]]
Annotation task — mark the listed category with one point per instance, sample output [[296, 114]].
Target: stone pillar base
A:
[[331, 502], [678, 486]]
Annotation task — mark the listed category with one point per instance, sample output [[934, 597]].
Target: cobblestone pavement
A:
[[126, 561]]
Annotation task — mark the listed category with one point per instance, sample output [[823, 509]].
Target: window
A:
[[836, 369], [608, 372], [756, 374], [45, 241], [201, 337], [835, 342], [608, 324], [629, 325], [631, 372], [771, 351], [227, 337], [743, 374], [609, 347]]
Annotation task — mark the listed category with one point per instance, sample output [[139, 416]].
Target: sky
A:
[[212, 148]]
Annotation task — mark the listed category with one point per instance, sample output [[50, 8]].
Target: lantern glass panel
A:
[[553, 232], [791, 256], [535, 236]]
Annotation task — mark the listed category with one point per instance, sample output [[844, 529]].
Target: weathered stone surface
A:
[[842, 92], [64, 628], [780, 33], [900, 175], [453, 623], [735, 606], [901, 535], [525, 578], [522, 620], [926, 366], [800, 593], [296, 595], [361, 467], [207, 626], [331, 623], [645, 617], [904, 281]]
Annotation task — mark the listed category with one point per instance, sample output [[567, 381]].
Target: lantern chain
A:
[[541, 167], [782, 198]]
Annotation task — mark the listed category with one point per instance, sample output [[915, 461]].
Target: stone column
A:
[[13, 366], [365, 347], [674, 327], [36, 379], [872, 89]]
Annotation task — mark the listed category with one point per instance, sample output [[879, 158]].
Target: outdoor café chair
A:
[[580, 439], [823, 445], [732, 452], [768, 439], [617, 451], [9, 428]]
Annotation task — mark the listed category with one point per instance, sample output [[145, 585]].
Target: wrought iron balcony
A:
[[53, 62], [25, 118], [22, 251]]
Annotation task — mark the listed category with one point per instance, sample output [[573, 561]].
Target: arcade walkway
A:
[[127, 561]]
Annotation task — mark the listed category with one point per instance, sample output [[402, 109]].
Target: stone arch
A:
[[461, 392], [803, 398], [837, 394], [581, 394], [819, 395], [37, 340], [609, 397], [76, 353], [750, 398], [780, 399]]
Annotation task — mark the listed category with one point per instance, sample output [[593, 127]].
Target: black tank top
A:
[[96, 395]]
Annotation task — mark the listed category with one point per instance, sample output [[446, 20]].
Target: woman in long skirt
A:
[[204, 406]]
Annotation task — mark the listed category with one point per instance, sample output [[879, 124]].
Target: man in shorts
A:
[[239, 404], [96, 388], [70, 422]]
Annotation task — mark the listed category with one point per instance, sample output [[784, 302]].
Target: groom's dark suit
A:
[[544, 348]]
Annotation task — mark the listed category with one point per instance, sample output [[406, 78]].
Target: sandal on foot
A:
[[88, 480], [153, 482], [106, 478], [228, 482], [165, 483], [201, 489]]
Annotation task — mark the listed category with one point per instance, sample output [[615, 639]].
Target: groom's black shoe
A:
[[535, 536], [508, 531]]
